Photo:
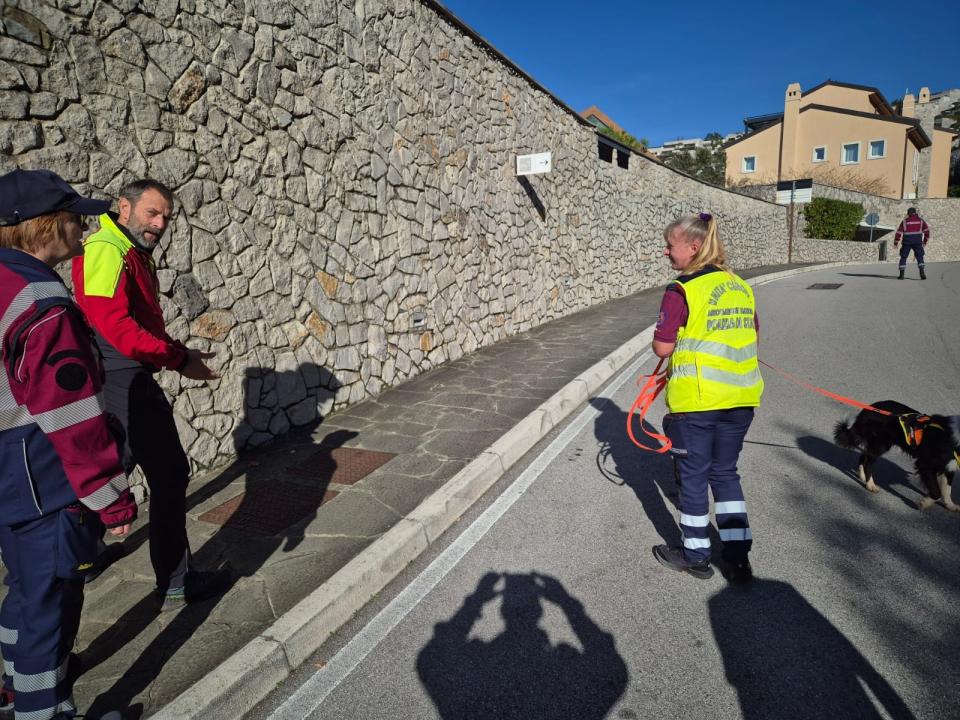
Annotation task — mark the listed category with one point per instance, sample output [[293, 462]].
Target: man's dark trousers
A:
[[152, 442], [905, 249]]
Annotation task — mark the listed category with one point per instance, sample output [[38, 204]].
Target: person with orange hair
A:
[[62, 479]]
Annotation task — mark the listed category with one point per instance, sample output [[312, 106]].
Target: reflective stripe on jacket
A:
[[714, 365], [912, 230]]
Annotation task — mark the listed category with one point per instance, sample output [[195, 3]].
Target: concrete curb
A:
[[246, 677]]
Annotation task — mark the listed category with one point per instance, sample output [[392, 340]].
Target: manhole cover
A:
[[269, 508], [340, 465], [825, 286]]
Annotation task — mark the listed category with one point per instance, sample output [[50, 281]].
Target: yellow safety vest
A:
[[714, 365]]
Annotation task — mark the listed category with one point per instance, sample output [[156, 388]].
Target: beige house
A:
[[843, 135]]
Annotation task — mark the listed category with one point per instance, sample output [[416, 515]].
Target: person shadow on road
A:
[[650, 476], [788, 662], [519, 673]]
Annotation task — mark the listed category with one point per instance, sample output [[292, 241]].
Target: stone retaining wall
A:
[[807, 250], [943, 214], [348, 214]]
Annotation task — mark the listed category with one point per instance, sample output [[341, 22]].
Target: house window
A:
[[851, 154], [749, 164], [623, 159], [878, 149], [820, 154]]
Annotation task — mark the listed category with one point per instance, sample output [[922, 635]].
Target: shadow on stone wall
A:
[[253, 512], [275, 402], [534, 198]]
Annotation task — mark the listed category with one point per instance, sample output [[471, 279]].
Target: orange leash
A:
[[833, 396], [656, 381]]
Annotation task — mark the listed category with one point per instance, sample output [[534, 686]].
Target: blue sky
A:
[[688, 67]]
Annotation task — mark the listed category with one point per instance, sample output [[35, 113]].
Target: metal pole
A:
[[793, 184]]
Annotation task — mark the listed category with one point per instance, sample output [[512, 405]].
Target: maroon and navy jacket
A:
[[55, 443], [115, 283], [913, 230]]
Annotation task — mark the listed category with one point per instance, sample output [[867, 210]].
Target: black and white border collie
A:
[[935, 455]]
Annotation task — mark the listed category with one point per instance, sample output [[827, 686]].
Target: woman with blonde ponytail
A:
[[708, 330]]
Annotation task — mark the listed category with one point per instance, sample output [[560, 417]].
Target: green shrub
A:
[[832, 219]]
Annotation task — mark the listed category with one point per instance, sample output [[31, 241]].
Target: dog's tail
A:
[[845, 437]]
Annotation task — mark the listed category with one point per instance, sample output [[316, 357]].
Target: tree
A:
[[707, 163]]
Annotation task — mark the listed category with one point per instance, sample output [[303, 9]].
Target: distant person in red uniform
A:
[[915, 234], [115, 282], [62, 481]]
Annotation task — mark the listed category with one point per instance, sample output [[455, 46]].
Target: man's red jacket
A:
[[115, 283]]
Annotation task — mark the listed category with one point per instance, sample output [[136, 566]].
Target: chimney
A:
[[909, 106], [791, 122], [924, 96]]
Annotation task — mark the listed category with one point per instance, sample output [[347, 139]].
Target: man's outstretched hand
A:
[[196, 368]]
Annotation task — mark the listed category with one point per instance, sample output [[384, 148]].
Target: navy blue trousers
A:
[[905, 253], [40, 615], [713, 442]]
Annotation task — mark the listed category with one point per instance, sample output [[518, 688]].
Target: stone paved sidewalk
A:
[[284, 519]]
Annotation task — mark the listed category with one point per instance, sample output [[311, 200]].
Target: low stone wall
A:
[[811, 250], [942, 214], [348, 214]]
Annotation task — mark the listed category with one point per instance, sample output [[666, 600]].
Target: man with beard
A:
[[115, 282]]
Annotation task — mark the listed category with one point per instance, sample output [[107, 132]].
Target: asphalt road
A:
[[545, 601]]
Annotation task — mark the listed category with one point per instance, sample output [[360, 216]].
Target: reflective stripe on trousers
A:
[[40, 616]]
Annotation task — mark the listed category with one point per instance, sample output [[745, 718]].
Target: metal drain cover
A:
[[269, 508], [824, 286], [341, 465]]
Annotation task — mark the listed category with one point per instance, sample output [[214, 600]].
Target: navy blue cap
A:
[[26, 194]]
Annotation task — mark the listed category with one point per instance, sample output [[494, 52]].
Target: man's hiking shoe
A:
[[673, 559], [200, 586], [738, 573]]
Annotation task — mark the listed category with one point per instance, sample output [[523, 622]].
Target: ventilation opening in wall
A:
[[623, 159], [605, 152]]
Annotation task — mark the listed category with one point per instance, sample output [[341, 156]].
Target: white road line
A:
[[315, 690]]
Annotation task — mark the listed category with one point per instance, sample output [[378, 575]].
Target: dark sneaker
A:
[[200, 586], [673, 559], [738, 573], [6, 703]]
